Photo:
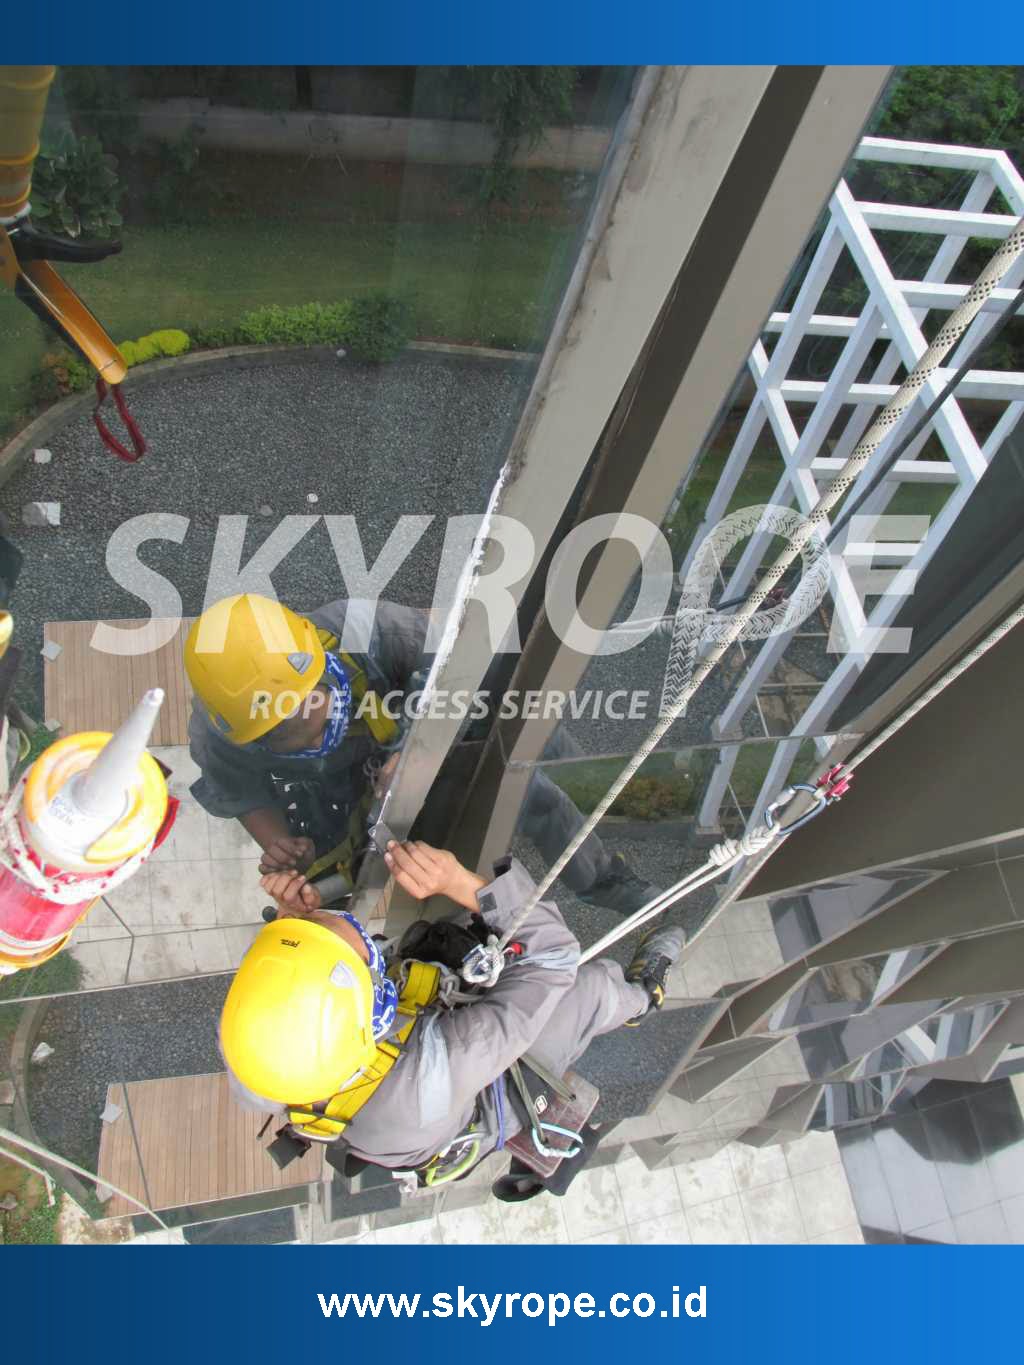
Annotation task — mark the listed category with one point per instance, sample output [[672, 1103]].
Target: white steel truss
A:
[[894, 311]]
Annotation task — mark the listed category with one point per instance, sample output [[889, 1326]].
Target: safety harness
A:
[[326, 1121], [370, 712]]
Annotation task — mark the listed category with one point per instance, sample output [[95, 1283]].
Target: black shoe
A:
[[620, 889], [656, 952]]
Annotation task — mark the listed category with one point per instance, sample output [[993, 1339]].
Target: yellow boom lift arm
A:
[[25, 251]]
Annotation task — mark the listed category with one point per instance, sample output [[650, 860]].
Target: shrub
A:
[[170, 341], [178, 192], [63, 373], [306, 324], [215, 336], [75, 188], [646, 798], [380, 326]]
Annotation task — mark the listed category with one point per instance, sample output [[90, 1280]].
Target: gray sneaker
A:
[[657, 950], [620, 889]]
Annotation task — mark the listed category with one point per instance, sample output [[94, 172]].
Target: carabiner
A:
[[785, 797]]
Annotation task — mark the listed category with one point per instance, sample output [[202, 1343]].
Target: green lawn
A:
[[493, 286]]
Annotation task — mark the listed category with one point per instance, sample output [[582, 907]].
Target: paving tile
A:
[[423, 1232], [910, 1174], [593, 1203], [753, 1166], [707, 968], [103, 964], [630, 1130], [133, 900], [238, 897], [785, 1059], [825, 1200], [229, 840], [646, 1194], [182, 895], [102, 923], [189, 839], [618, 1237], [718, 1222], [982, 1227], [773, 1214], [680, 1116], [239, 939], [671, 1229], [210, 950], [363, 1239], [475, 1226], [704, 1177], [538, 1221], [184, 770], [753, 955], [740, 1111], [161, 957], [811, 1152], [848, 1236], [1013, 1212], [943, 1231], [747, 917]]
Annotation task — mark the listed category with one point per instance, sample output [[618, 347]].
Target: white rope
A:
[[64, 888], [811, 527], [36, 1150], [720, 858]]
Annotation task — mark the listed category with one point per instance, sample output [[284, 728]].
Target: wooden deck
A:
[[85, 689], [197, 1145]]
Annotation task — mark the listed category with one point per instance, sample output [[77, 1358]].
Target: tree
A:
[[519, 102]]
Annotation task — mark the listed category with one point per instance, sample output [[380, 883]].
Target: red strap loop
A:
[[107, 437]]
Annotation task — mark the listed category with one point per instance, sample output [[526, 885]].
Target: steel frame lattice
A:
[[895, 310]]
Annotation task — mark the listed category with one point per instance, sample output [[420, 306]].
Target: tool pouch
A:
[[554, 1157]]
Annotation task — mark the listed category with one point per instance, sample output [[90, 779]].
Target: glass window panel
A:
[[808, 918], [848, 988], [830, 356]]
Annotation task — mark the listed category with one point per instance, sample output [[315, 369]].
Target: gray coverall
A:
[[543, 1003]]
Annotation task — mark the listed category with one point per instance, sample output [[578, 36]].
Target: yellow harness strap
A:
[[368, 705], [331, 1119]]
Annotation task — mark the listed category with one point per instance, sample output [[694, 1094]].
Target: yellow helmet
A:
[[251, 662], [298, 1020]]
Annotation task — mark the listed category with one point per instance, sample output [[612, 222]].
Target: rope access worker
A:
[[380, 1053], [293, 736]]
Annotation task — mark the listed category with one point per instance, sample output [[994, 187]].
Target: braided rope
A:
[[946, 338]]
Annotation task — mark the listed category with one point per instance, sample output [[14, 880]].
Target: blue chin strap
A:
[[385, 992], [340, 713]]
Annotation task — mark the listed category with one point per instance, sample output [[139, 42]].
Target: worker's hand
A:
[[383, 778], [424, 871], [286, 853], [294, 895]]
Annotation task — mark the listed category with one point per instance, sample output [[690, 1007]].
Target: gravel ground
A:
[[423, 436], [102, 1037]]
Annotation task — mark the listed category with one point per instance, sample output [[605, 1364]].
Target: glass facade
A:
[[373, 291]]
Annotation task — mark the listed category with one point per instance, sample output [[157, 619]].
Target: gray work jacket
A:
[[237, 778]]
